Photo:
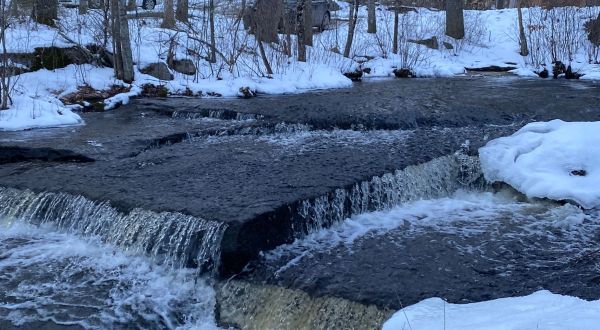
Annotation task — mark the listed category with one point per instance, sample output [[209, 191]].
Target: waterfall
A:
[[436, 178], [173, 239]]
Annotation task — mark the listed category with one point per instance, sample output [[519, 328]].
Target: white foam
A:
[[49, 275]]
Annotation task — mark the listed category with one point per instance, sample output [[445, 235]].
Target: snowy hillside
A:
[[491, 41]]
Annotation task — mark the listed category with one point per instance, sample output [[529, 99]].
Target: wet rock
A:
[[276, 307], [558, 68], [492, 68], [153, 90], [246, 93], [86, 94], [447, 45], [404, 73], [158, 70], [431, 43], [185, 66], [354, 75], [21, 154], [544, 73], [569, 74], [366, 70]]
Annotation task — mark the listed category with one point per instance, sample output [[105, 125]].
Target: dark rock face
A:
[[158, 70], [185, 66]]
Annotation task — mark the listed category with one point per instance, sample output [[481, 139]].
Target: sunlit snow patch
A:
[[540, 310], [557, 160]]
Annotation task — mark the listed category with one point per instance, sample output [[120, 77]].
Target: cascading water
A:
[[436, 178], [174, 239], [70, 261]]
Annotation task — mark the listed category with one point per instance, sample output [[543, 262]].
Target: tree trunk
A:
[[213, 40], [522, 37], [4, 74], [45, 11], [371, 18], [116, 37], [126, 54], [308, 23], [499, 4], [300, 25], [396, 23], [455, 25], [352, 16], [83, 7], [169, 19], [263, 55], [182, 10], [131, 6]]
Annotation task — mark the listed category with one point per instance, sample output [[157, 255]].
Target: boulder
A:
[[158, 70], [246, 93], [185, 66], [544, 73], [354, 75], [429, 43], [403, 73], [51, 58]]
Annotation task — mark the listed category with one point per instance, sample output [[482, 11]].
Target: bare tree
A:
[[182, 10], [300, 26], [213, 42], [522, 37], [123, 58], [396, 23], [308, 23], [169, 18], [455, 22], [4, 70], [353, 17], [371, 17]]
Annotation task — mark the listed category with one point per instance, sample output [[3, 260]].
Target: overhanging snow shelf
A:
[[556, 159]]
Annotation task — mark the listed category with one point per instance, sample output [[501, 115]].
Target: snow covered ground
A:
[[540, 310], [491, 40], [557, 160]]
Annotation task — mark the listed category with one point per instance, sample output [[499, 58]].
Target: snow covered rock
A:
[[540, 310], [557, 160]]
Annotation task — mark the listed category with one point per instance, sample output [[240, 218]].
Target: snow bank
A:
[[36, 96], [540, 310], [557, 160]]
